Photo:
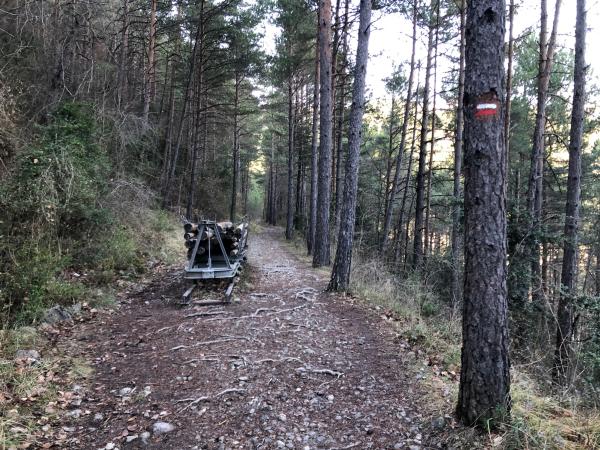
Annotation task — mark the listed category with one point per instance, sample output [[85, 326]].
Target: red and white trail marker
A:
[[486, 110]]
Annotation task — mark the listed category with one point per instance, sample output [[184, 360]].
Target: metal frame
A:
[[219, 266]]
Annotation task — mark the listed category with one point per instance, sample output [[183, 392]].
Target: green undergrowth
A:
[[71, 226]]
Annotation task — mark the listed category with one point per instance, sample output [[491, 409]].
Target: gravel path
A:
[[286, 366]]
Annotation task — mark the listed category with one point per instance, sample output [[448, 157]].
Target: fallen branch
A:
[[230, 391], [215, 341], [250, 316], [206, 313], [286, 359], [333, 373], [194, 401]]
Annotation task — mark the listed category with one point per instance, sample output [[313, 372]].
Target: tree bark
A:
[[565, 329], [321, 251], [485, 378], [340, 276]]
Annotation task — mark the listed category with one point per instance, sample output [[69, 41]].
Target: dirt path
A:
[[287, 366]]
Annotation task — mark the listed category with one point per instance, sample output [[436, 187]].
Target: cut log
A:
[[189, 227]]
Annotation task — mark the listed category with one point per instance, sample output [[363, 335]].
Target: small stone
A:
[[414, 447], [330, 397], [75, 414], [282, 417], [32, 355], [162, 427], [125, 391], [280, 444], [145, 436], [131, 438], [110, 446], [57, 314], [438, 423], [243, 378], [98, 417]]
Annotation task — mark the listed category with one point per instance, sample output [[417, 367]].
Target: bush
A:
[[62, 212]]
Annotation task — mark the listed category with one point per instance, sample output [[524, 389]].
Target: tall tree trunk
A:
[[289, 225], [387, 223], [420, 194], [150, 88], [536, 173], [273, 183], [169, 134], [186, 100], [314, 147], [236, 149], [458, 143], [321, 251], [122, 74], [413, 144], [427, 230], [485, 375], [342, 76], [340, 276], [566, 306], [509, 77], [197, 114], [195, 144]]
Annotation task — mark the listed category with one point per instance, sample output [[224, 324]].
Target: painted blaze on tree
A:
[[485, 381]]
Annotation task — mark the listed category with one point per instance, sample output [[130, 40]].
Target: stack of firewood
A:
[[231, 236]]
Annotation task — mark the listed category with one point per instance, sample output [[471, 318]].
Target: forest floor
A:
[[285, 365]]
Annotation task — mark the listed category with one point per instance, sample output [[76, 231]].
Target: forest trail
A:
[[286, 366]]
